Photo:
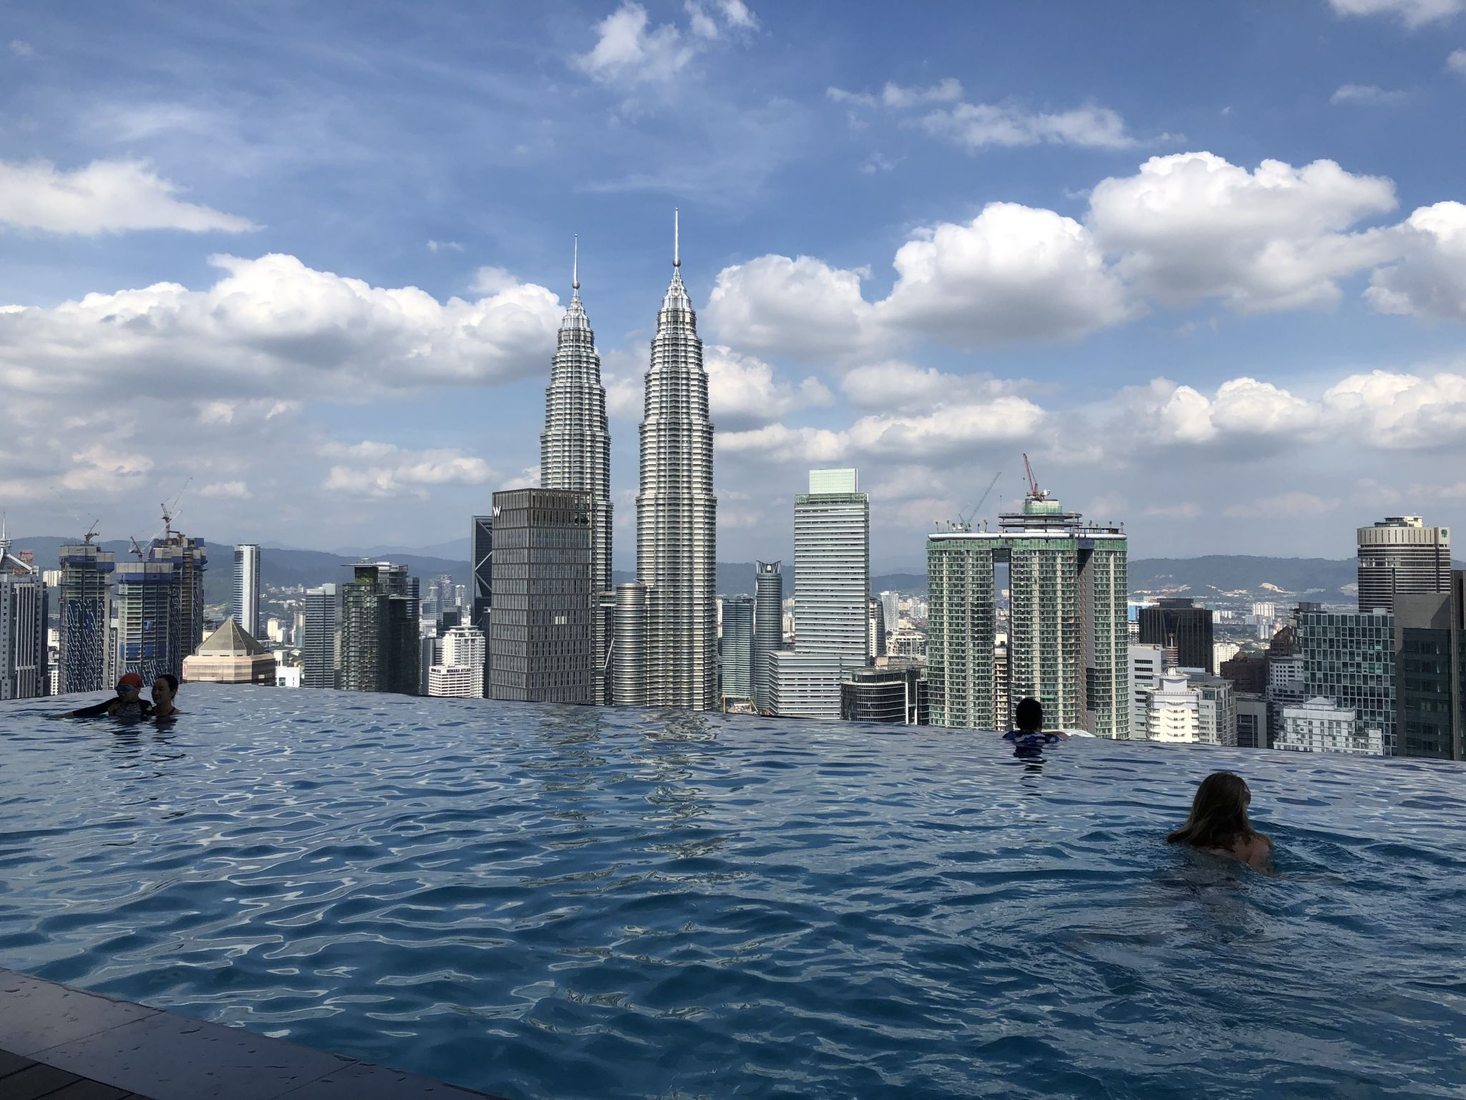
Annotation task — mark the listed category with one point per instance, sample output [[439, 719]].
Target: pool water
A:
[[586, 902]]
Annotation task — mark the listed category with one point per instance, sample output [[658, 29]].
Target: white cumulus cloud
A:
[[1013, 273], [1193, 226], [903, 386], [629, 50], [1429, 277], [1368, 95], [801, 307], [951, 432], [106, 196], [272, 321], [1413, 13], [743, 391], [975, 126], [378, 470], [978, 125]]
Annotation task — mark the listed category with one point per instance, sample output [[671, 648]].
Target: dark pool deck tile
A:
[[364, 1081], [36, 1015], [67, 1044], [171, 1057]]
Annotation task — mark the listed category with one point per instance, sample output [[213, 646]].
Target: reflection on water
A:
[[571, 901]]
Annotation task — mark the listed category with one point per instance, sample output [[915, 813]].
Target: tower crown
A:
[[575, 319]]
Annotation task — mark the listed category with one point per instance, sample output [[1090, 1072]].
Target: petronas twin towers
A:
[[655, 638]]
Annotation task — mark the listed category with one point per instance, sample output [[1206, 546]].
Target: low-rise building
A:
[[1318, 725], [230, 656]]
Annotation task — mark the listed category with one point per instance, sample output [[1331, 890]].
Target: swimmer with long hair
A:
[[1218, 823]]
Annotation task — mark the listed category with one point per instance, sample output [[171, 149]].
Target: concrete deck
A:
[[67, 1044]]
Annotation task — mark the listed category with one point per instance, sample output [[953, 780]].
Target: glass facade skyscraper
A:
[[246, 606], [1067, 633], [768, 626], [542, 633], [24, 667], [1401, 556], [676, 525], [320, 651], [1430, 673], [736, 648], [832, 567], [1349, 658], [1180, 625], [575, 455], [379, 630], [84, 615], [831, 597]]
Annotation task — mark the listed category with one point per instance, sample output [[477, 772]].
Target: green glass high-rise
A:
[[1067, 641]]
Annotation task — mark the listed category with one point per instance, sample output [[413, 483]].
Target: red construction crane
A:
[[1034, 492]]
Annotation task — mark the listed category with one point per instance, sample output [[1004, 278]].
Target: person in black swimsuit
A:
[[1030, 737], [127, 704]]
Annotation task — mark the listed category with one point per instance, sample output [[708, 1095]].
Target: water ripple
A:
[[552, 901]]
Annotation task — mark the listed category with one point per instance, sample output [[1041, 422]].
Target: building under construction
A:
[[84, 616]]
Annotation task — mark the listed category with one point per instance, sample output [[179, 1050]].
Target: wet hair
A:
[[1218, 814], [1029, 715], [169, 679]]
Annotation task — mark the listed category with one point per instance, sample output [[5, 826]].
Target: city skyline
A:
[[335, 319]]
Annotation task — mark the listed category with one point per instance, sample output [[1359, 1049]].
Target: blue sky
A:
[[304, 263]]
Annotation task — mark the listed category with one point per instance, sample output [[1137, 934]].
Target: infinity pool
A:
[[576, 902]]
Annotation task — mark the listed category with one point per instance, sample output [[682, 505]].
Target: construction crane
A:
[[964, 522], [1034, 492], [136, 549], [170, 511], [86, 540]]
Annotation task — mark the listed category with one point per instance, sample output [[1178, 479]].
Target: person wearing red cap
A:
[[127, 704]]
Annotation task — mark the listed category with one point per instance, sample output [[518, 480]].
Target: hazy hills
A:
[[1213, 576]]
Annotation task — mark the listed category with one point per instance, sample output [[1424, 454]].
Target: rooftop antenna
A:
[[676, 240]]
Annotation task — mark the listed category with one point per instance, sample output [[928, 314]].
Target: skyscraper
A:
[[1430, 669], [1400, 555], [736, 648], [246, 608], [1067, 639], [147, 599], [1349, 659], [832, 567], [575, 455], [320, 651], [189, 559], [542, 633], [84, 615], [768, 626], [875, 620], [831, 598], [1180, 625], [460, 673], [892, 690], [481, 560], [379, 629], [676, 522], [24, 672]]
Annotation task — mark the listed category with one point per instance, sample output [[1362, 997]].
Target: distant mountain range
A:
[[1213, 576]]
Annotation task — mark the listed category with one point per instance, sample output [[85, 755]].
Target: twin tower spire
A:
[[655, 638]]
